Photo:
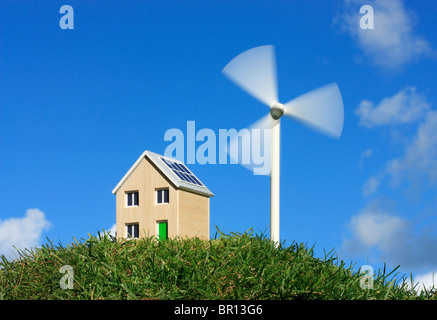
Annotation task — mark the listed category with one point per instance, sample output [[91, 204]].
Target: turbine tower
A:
[[322, 109]]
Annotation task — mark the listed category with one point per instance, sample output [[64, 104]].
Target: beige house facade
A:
[[160, 196]]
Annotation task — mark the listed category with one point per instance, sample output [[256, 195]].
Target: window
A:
[[132, 199], [132, 231], [162, 196]]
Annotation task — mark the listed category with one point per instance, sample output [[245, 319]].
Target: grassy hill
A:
[[235, 266]]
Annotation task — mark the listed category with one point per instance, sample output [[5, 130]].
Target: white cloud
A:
[[112, 230], [371, 185], [419, 160], [365, 155], [406, 106], [378, 227], [417, 165], [392, 43], [427, 280], [373, 226], [22, 232]]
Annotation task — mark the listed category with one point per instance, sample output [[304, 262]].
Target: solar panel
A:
[[182, 172]]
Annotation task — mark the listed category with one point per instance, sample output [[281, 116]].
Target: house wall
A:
[[146, 179], [187, 213], [193, 215]]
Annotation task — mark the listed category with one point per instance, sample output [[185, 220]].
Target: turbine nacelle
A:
[[277, 110]]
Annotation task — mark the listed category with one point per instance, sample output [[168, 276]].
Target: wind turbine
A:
[[322, 109]]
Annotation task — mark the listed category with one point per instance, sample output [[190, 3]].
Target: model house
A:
[[160, 196]]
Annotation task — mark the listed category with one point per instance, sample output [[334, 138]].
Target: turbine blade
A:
[[255, 72], [250, 147], [321, 109]]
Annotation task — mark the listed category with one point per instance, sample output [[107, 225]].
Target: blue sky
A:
[[79, 106]]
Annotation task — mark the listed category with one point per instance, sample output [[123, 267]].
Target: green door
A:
[[162, 230]]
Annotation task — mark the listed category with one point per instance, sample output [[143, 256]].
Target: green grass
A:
[[234, 266]]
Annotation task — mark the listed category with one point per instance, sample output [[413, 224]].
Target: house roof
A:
[[179, 183]]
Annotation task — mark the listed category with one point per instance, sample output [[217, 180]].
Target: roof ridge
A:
[[169, 173]]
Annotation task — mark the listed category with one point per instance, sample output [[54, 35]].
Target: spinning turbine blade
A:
[[321, 108], [254, 143], [258, 147], [255, 71]]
